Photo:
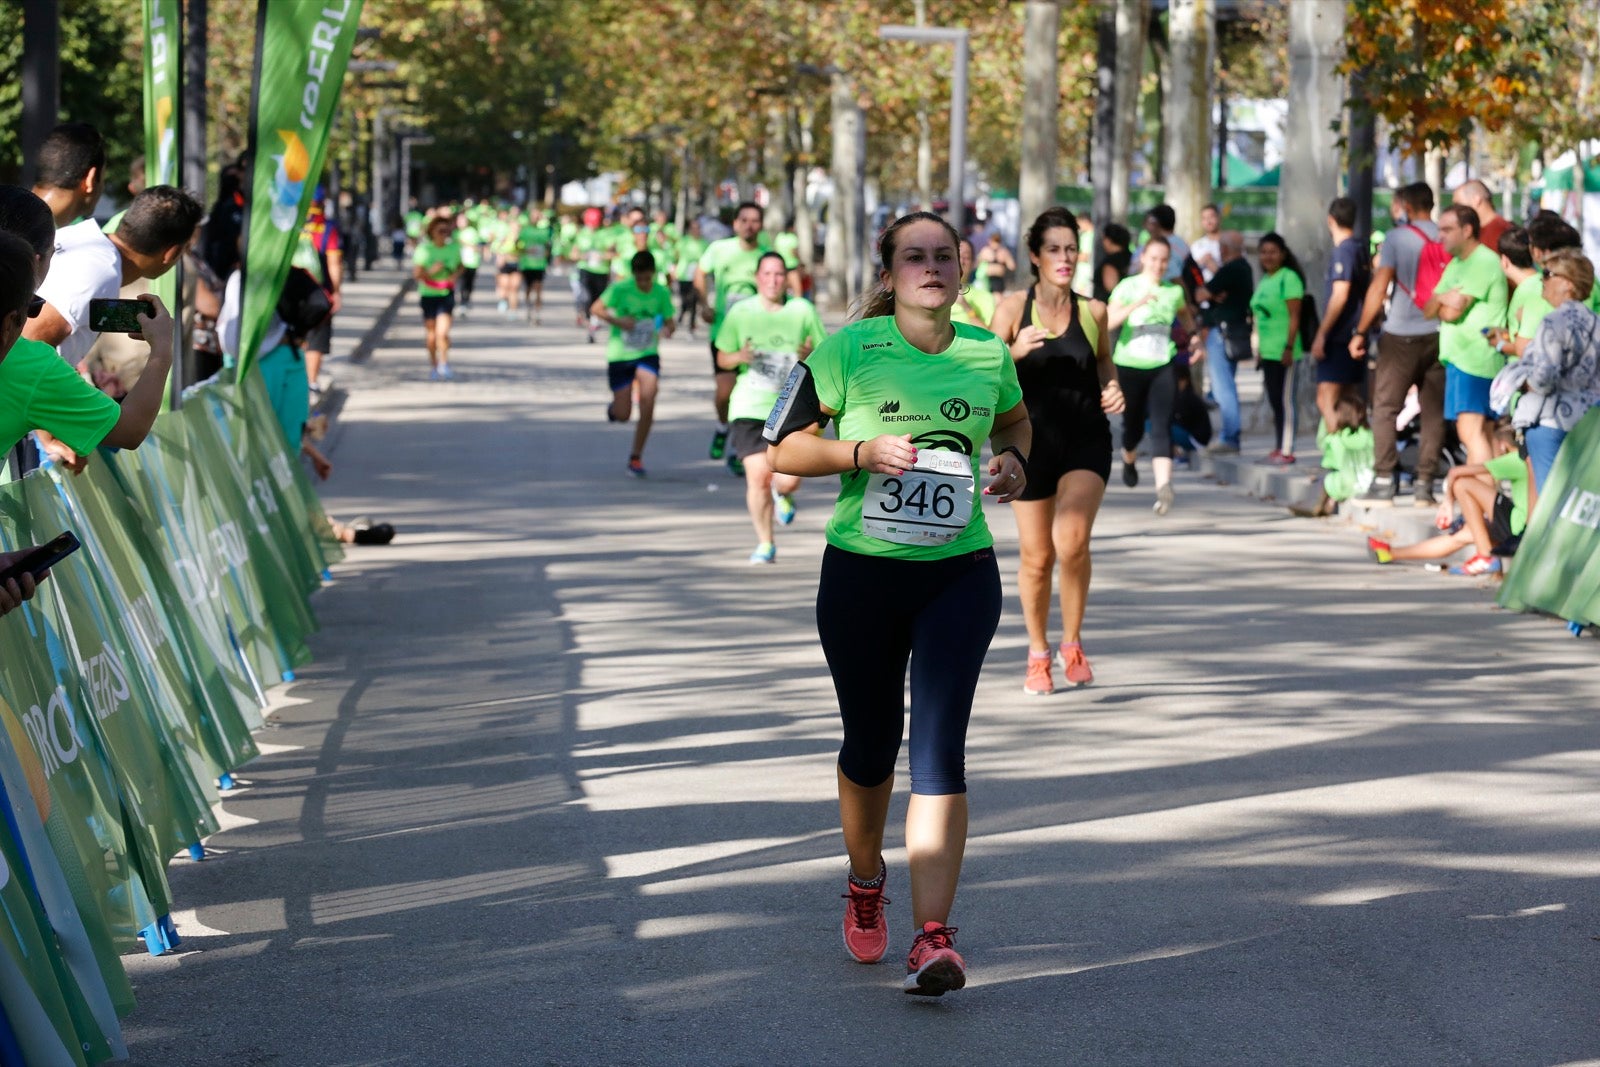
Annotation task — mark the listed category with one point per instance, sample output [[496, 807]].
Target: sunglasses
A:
[[35, 305]]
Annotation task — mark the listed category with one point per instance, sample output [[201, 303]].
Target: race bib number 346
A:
[[930, 504]]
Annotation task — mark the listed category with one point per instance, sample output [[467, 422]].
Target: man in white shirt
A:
[[1207, 248]]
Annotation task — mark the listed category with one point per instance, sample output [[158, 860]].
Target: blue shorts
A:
[[1466, 394], [623, 371]]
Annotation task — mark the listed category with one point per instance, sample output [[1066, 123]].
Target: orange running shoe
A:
[[866, 932], [1079, 673], [934, 968], [1039, 683]]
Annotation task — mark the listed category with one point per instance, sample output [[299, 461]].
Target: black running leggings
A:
[[689, 296], [877, 615], [469, 281], [1274, 377], [1150, 394]]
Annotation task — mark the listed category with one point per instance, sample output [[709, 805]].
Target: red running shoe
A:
[[1079, 673], [934, 968], [866, 932]]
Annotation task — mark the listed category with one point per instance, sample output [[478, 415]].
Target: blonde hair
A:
[[1574, 266], [879, 299]]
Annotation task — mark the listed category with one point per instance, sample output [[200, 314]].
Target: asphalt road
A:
[[558, 788]]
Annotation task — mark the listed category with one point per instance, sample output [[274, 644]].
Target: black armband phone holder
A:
[[797, 408]]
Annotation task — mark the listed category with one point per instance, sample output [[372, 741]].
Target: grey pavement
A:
[[558, 788]]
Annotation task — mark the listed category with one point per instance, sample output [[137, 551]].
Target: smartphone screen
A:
[[42, 558], [116, 316]]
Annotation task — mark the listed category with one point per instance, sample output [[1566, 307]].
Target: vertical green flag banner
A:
[[302, 48], [163, 67], [1557, 567]]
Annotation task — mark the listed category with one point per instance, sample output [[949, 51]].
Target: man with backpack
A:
[[1412, 260]]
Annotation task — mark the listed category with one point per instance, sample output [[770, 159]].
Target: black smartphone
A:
[[41, 559], [116, 316]]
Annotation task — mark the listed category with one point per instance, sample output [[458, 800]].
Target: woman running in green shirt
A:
[[909, 575]]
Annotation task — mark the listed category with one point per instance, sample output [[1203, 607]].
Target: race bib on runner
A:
[[930, 504], [770, 370], [1151, 341], [641, 335], [537, 252]]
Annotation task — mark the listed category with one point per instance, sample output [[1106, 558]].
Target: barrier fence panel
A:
[[1557, 566]]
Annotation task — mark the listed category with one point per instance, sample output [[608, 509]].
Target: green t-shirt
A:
[[690, 249], [471, 251], [592, 250], [1528, 307], [775, 338], [1270, 306], [627, 300], [1462, 344], [1146, 338], [414, 221], [733, 271], [41, 391], [981, 302], [878, 383], [565, 236], [535, 237], [787, 245], [1512, 468], [1348, 458], [438, 263]]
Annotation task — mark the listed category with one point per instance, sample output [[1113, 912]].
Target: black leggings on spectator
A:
[[1149, 394], [1274, 378], [877, 615]]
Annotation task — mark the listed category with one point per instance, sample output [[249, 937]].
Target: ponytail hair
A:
[[878, 300]]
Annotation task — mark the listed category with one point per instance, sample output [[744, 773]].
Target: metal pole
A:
[[194, 100], [958, 138]]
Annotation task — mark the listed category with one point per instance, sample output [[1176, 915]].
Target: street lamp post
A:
[[958, 106]]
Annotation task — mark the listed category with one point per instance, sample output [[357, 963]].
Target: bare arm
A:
[[1372, 307], [143, 402], [1117, 315], [1008, 317], [48, 326], [1336, 302], [1012, 429]]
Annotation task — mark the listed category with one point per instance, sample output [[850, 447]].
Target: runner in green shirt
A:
[[436, 265], [973, 306], [726, 275], [639, 310], [470, 238], [691, 246], [591, 252], [508, 258], [909, 575], [1140, 315], [762, 339], [534, 237], [1469, 300]]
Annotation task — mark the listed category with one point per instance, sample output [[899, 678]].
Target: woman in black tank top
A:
[[1063, 355]]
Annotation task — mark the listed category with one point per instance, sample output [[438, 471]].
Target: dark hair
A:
[[1343, 212], [1349, 413], [1165, 217], [1514, 246], [642, 262], [879, 300], [773, 255], [1211, 207], [1466, 217], [17, 279], [158, 218], [1417, 195], [68, 154], [1275, 238], [750, 205], [1117, 234], [1548, 231], [1052, 218], [26, 216]]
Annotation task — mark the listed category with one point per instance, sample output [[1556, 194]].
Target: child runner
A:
[[762, 339], [639, 310]]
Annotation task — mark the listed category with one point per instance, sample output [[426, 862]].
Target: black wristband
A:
[[857, 458], [1015, 451]]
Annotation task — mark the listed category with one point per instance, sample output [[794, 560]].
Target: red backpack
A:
[[1430, 268]]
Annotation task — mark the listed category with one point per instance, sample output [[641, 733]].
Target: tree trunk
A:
[[846, 212], [194, 100], [1103, 145], [1191, 26], [924, 134], [1311, 159], [1363, 152], [1133, 24], [1041, 98], [1433, 169]]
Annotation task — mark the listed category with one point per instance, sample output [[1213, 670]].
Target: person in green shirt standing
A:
[[534, 237], [726, 275], [761, 340], [1469, 300], [1527, 307], [639, 310], [1276, 306], [691, 246], [436, 265], [1140, 314]]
